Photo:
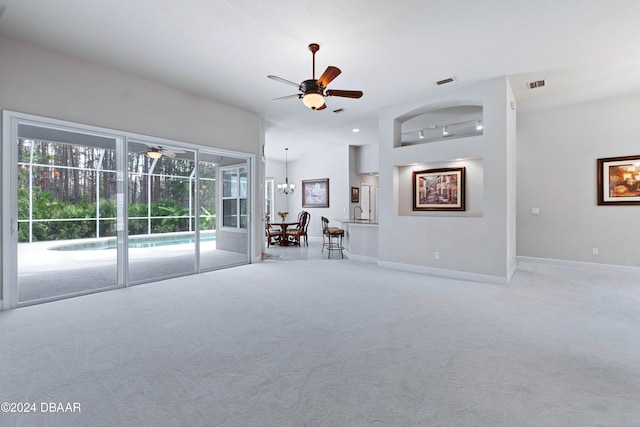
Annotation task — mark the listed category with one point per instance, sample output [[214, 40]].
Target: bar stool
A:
[[332, 238]]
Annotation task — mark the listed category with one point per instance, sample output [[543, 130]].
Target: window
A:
[[269, 186], [234, 197]]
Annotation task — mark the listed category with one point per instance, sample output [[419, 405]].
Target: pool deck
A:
[[44, 273]]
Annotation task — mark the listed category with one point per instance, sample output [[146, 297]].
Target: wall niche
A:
[[452, 122]]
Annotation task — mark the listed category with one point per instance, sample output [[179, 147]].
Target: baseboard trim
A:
[[450, 274], [579, 264], [363, 258]]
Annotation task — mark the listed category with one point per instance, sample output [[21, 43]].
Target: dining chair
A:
[[300, 231], [273, 234]]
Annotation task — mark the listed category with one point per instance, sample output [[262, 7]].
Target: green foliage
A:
[[168, 208], [77, 224], [207, 220]]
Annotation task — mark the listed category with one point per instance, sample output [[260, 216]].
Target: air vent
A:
[[339, 110], [536, 84], [445, 81]]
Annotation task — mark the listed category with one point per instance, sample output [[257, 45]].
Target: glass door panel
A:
[[224, 239], [161, 236], [67, 191]]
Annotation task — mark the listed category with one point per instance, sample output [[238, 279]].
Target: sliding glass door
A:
[[67, 212], [161, 231], [223, 211], [88, 209]]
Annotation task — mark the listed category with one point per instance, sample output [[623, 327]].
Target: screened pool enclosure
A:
[[94, 209]]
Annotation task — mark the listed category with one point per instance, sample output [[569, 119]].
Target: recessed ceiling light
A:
[[355, 130]]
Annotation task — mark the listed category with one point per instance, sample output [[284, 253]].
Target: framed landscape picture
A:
[[315, 193], [619, 181], [439, 189]]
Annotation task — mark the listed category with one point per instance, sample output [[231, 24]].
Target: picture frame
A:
[[619, 180], [315, 193], [355, 195], [439, 189]]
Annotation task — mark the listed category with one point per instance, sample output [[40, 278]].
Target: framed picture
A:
[[619, 181], [315, 193], [355, 195], [438, 189]]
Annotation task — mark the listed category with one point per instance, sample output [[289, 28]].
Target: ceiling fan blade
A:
[[329, 74], [322, 107], [285, 81], [345, 93], [297, 95]]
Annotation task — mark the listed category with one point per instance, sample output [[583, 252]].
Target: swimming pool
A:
[[135, 242]]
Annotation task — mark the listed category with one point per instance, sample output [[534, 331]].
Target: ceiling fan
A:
[[312, 91], [157, 151]]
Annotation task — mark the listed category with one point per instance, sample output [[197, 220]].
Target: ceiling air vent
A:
[[445, 81], [339, 110], [536, 84]]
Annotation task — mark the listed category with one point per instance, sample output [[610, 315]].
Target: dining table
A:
[[283, 229]]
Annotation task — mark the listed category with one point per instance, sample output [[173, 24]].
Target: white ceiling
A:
[[392, 51]]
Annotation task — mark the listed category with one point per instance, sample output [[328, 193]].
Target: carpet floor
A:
[[323, 343]]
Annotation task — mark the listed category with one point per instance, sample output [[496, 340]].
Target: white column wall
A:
[[479, 242]]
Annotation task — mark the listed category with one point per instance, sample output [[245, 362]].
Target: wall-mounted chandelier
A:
[[286, 188]]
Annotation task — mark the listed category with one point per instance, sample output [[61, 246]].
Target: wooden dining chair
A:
[[300, 231], [273, 234]]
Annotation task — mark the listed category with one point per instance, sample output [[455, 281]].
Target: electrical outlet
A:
[[595, 251], [436, 255]]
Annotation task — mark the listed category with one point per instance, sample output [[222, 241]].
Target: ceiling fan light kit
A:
[[157, 151], [154, 154], [313, 97], [312, 91]]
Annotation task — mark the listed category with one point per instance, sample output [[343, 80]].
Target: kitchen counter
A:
[[361, 239], [357, 221]]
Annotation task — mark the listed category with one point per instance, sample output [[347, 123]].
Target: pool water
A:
[[134, 242]]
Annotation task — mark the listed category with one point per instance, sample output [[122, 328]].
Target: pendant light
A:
[[286, 188]]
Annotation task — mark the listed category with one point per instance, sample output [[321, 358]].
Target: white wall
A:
[[479, 241], [367, 159], [557, 153], [44, 83], [332, 164]]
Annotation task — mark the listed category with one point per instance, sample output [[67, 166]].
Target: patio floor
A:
[[44, 273]]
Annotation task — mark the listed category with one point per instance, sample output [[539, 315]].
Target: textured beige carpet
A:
[[332, 343]]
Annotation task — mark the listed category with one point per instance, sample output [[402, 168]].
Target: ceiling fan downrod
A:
[[313, 47]]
